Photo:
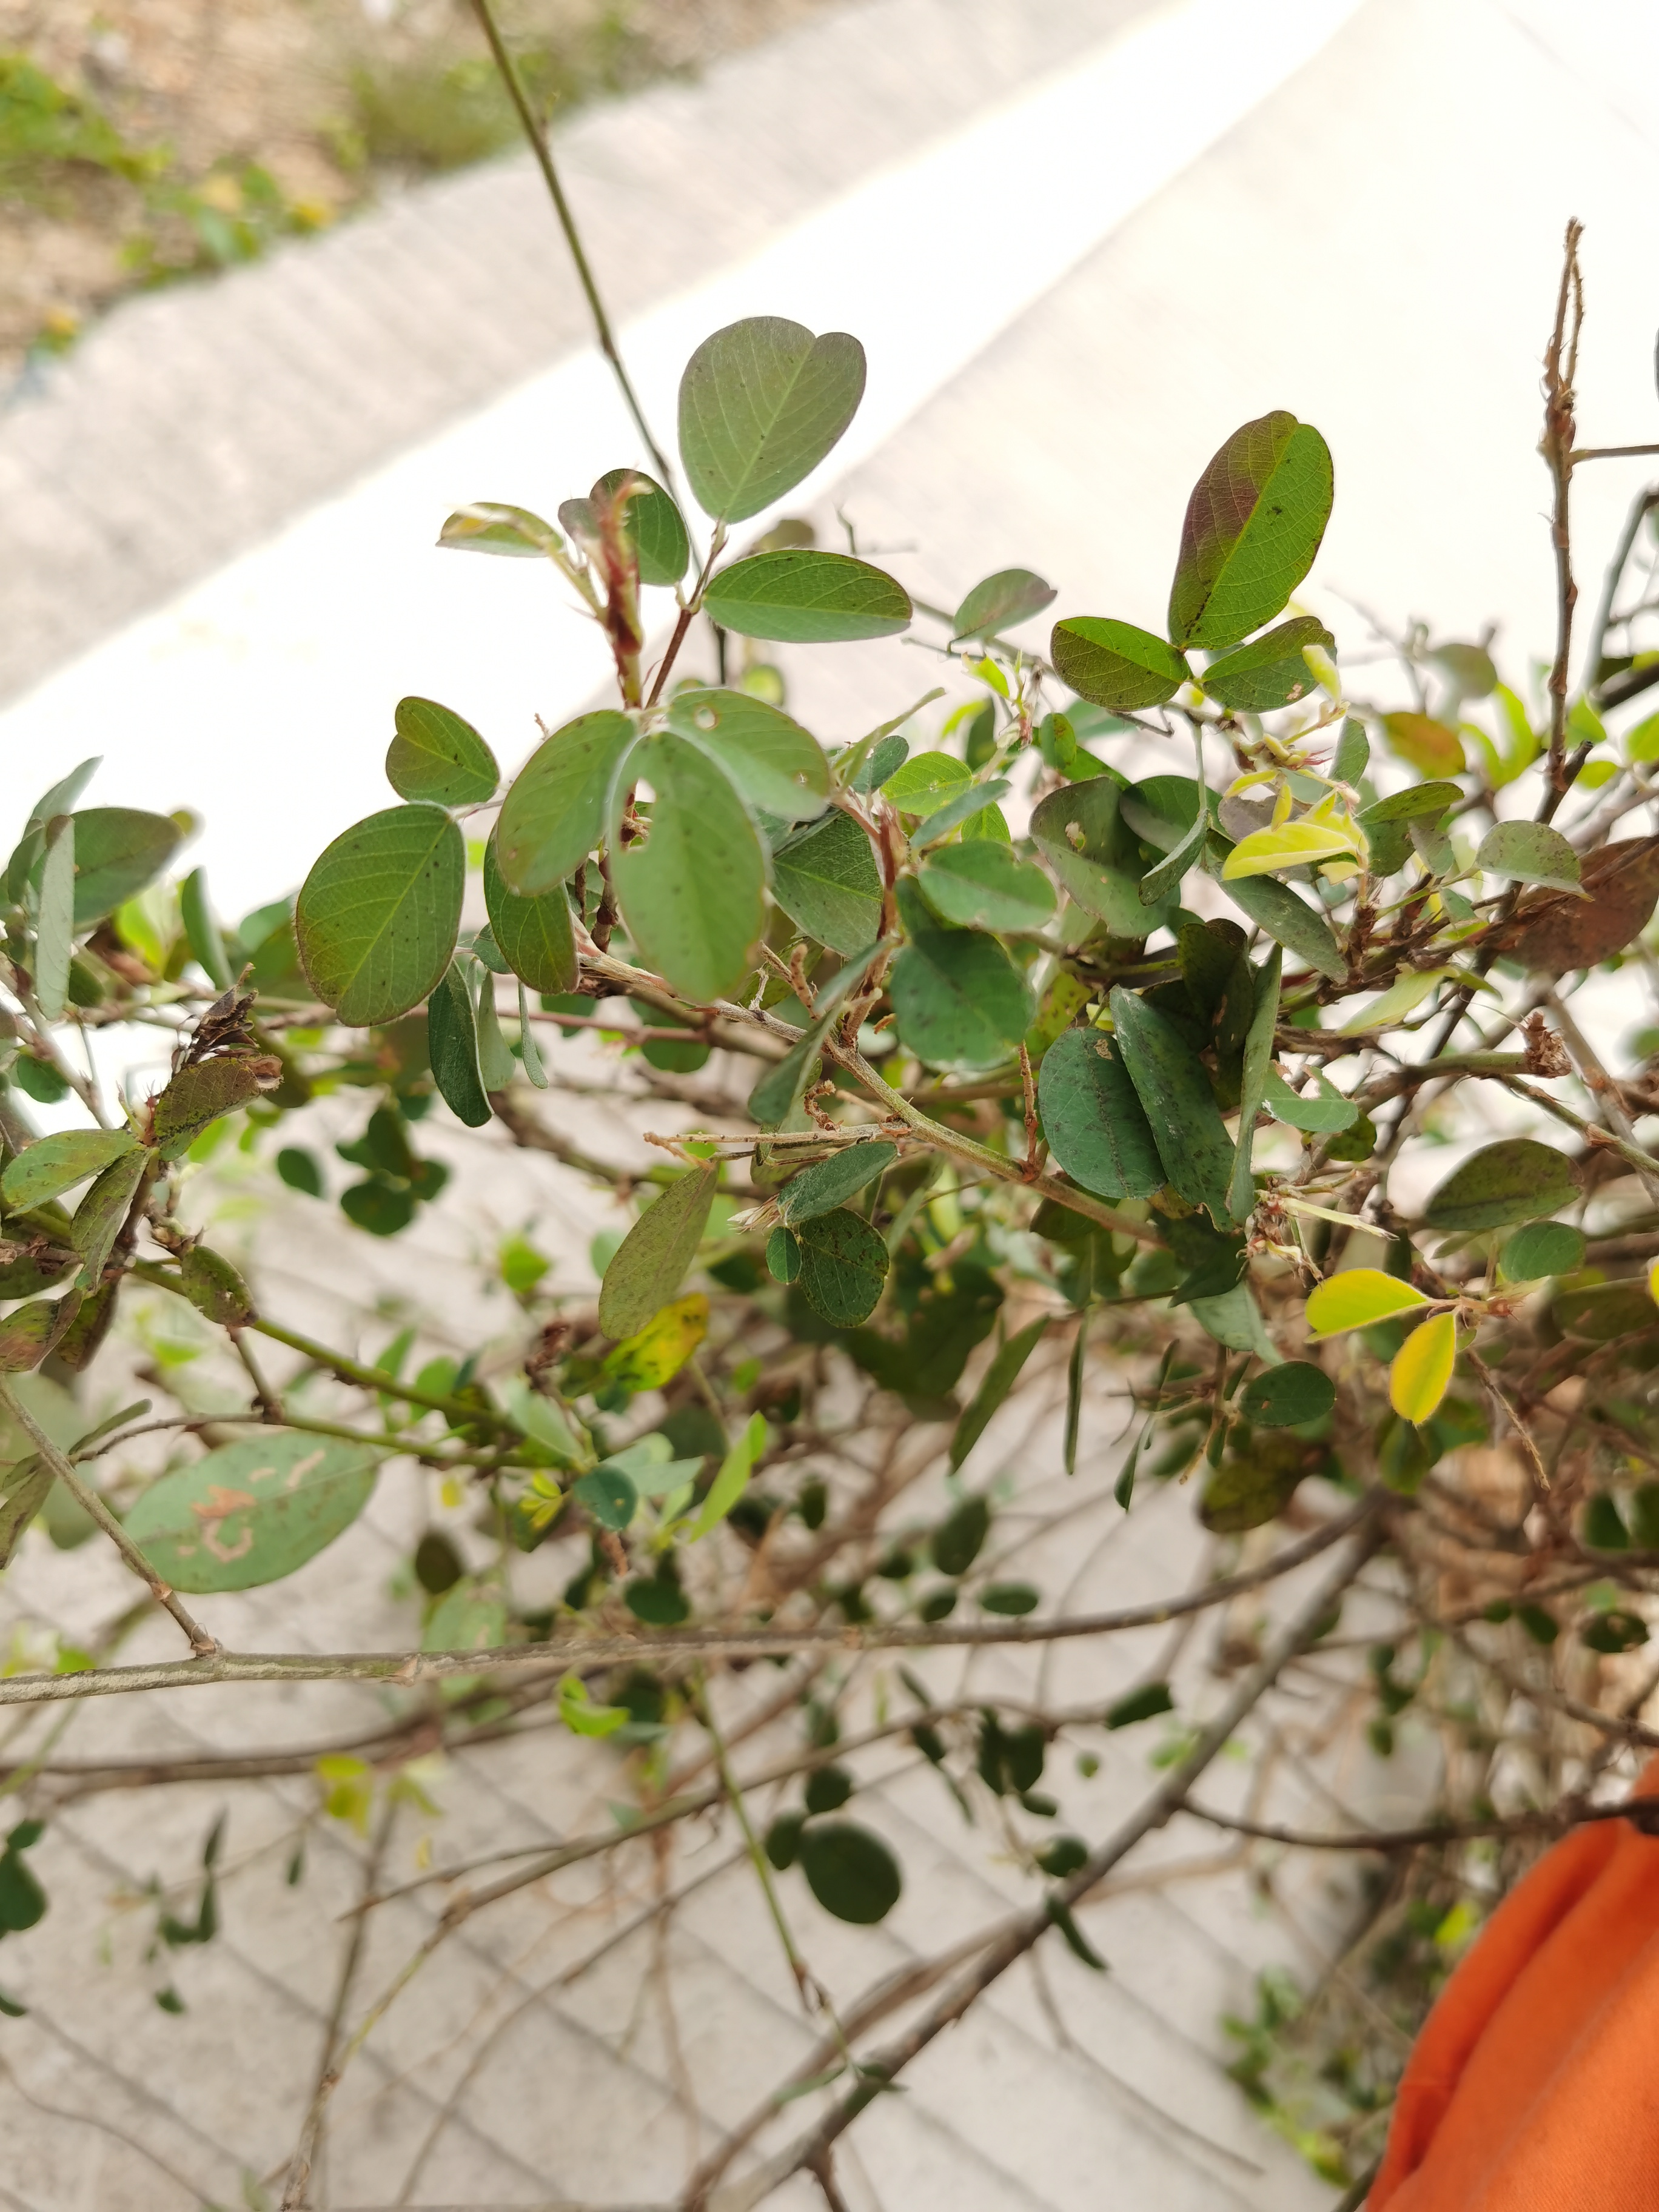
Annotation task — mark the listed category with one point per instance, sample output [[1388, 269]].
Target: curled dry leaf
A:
[[1561, 931]]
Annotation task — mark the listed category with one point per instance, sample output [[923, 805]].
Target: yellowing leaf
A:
[[662, 1347], [1291, 846], [1400, 1000], [1422, 1369], [1428, 745], [1357, 1297], [1653, 1282]]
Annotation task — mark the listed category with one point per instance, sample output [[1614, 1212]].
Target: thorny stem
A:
[[205, 1647]]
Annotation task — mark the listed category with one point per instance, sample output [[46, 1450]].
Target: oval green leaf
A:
[[1115, 664], [842, 1266], [1269, 671], [377, 915], [1530, 853], [53, 1165], [1515, 1180], [824, 878], [693, 890], [453, 1048], [118, 850], [1544, 1248], [798, 598], [533, 935], [1173, 1088], [438, 757], [779, 767], [761, 402], [1327, 1110], [983, 885], [251, 1512], [1253, 526], [490, 526], [653, 525], [959, 1000], [1092, 1116], [1000, 1378], [850, 1871], [559, 805], [828, 1183], [923, 783], [1002, 602], [649, 1264], [1284, 1397]]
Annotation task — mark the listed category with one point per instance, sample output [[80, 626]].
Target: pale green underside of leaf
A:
[[693, 893], [559, 806], [438, 757], [779, 767], [1002, 602], [798, 598], [760, 403], [534, 936], [649, 1264], [251, 1512], [377, 915]]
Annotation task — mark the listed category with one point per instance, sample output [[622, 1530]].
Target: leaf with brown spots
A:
[[1559, 932]]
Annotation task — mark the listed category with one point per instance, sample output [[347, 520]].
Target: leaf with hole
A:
[[378, 914], [534, 936], [779, 767], [54, 1164], [760, 403], [558, 806], [828, 1183], [1270, 671], [607, 1494], [251, 1512], [652, 523], [1115, 664], [118, 850], [1288, 1396], [1530, 853], [1093, 1118], [693, 890], [1079, 832], [1253, 526], [1174, 1092], [1001, 602], [437, 757], [807, 599], [649, 1264], [1358, 1296], [850, 1871], [959, 1001], [1515, 1180], [985, 887], [824, 878], [842, 1266]]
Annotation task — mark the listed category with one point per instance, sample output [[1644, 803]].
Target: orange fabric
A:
[[1534, 2084]]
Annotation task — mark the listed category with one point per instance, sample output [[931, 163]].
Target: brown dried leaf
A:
[[1559, 932]]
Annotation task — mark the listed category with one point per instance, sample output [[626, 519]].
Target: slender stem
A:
[[590, 1651], [1609, 453], [1642, 504], [1560, 362], [536, 138], [90, 1502]]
